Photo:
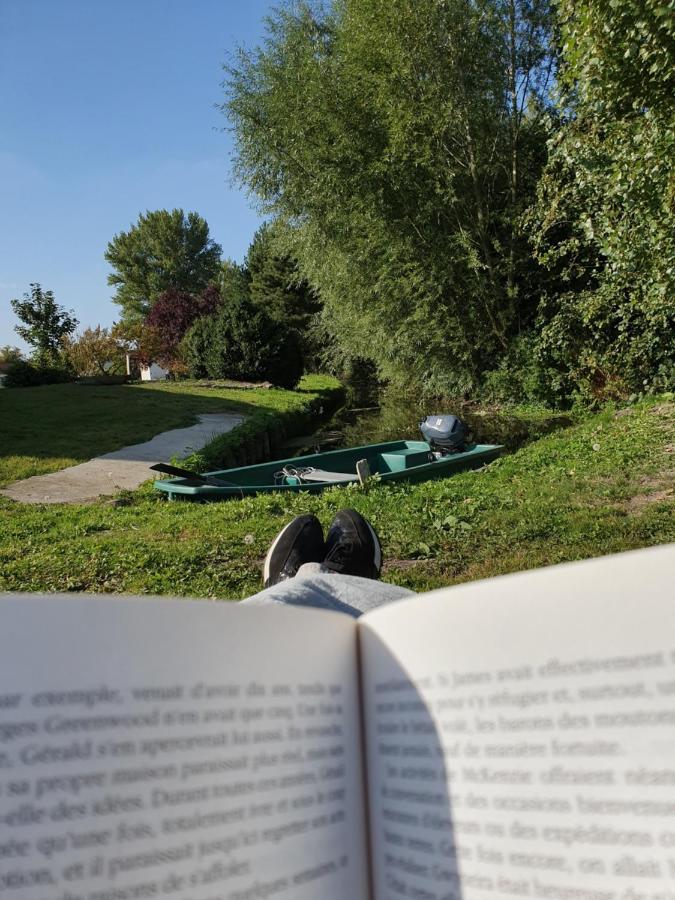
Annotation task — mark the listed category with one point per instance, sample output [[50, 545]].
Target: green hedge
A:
[[261, 436]]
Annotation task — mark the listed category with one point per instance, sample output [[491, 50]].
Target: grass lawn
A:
[[51, 427], [601, 486]]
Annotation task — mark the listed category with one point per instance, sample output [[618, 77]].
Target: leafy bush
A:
[[94, 352], [520, 376], [24, 374], [604, 223], [242, 341], [9, 354], [604, 229]]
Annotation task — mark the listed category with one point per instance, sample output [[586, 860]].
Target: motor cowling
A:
[[445, 433]]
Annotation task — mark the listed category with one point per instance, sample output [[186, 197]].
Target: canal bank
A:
[[603, 485]]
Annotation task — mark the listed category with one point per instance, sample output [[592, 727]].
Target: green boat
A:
[[411, 461]]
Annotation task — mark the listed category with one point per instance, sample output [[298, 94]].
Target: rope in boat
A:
[[282, 475]]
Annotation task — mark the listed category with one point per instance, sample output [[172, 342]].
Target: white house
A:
[[153, 372]]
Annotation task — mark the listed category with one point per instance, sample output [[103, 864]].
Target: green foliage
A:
[[599, 487], [396, 143], [10, 354], [45, 324], [242, 341], [94, 352], [21, 373], [276, 285], [162, 251], [269, 277], [234, 281], [275, 282], [604, 224], [620, 54], [519, 377], [604, 228]]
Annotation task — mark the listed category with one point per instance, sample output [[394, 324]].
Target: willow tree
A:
[[396, 143]]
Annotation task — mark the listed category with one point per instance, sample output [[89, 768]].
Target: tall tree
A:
[[276, 283], [396, 142], [45, 323], [162, 251], [234, 281]]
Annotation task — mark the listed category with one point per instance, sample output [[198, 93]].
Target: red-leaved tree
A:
[[172, 315]]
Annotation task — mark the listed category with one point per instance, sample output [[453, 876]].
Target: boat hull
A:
[[395, 461]]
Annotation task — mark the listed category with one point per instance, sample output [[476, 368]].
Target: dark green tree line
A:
[[275, 282]]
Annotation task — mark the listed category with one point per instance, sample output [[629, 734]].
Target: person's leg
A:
[[338, 574], [322, 588]]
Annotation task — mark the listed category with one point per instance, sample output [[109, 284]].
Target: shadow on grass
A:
[[77, 422]]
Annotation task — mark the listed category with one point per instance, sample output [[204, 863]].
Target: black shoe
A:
[[352, 546], [301, 541]]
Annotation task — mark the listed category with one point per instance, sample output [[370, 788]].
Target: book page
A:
[[184, 749], [521, 735]]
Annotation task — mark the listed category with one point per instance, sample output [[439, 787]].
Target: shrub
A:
[[242, 341], [94, 352], [25, 374], [521, 376], [172, 315], [9, 354], [194, 347]]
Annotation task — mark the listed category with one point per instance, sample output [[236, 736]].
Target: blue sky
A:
[[107, 110]]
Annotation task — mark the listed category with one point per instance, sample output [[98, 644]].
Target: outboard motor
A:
[[446, 434]]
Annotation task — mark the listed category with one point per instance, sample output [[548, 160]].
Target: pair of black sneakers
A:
[[351, 547]]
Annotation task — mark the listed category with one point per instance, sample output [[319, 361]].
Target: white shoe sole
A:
[[266, 568], [377, 562]]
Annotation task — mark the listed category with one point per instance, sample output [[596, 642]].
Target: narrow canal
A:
[[389, 416]]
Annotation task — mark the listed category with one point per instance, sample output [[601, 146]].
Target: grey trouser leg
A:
[[319, 588]]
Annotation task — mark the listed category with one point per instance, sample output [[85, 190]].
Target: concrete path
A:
[[122, 469]]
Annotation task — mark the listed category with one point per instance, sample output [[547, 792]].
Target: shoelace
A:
[[340, 553]]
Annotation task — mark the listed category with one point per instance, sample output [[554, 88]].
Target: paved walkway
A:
[[122, 469]]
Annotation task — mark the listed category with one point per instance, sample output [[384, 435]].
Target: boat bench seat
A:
[[398, 460]]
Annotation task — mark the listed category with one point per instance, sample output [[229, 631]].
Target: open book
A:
[[508, 738]]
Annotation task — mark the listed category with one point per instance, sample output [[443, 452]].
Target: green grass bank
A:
[[601, 486], [51, 427]]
